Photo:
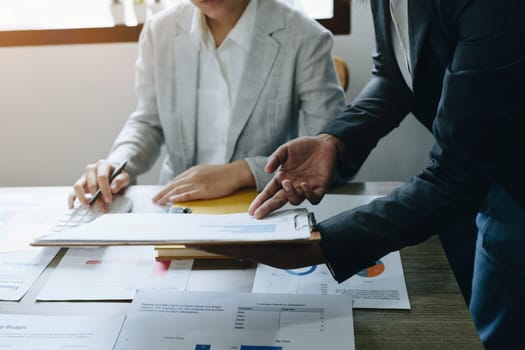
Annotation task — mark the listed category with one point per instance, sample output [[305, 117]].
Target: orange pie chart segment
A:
[[373, 271]]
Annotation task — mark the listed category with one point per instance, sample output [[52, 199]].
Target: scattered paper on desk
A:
[[243, 321], [20, 225], [221, 280], [112, 273], [21, 264], [36, 332], [158, 228], [381, 286], [19, 270]]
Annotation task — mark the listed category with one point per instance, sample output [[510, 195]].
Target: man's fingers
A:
[[274, 203], [271, 188], [318, 194], [276, 159], [314, 196], [294, 196]]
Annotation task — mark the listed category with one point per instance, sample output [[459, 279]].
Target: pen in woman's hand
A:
[[115, 173]]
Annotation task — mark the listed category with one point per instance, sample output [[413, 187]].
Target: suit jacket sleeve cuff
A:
[[346, 249]]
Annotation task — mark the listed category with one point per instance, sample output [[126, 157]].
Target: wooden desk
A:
[[439, 318]]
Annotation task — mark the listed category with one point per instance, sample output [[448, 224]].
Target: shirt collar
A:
[[199, 29], [240, 34]]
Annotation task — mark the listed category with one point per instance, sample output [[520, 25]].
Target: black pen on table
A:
[[113, 175]]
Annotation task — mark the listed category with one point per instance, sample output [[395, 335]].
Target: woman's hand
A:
[[206, 182], [97, 176]]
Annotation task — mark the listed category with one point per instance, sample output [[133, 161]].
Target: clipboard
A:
[[159, 229], [237, 202]]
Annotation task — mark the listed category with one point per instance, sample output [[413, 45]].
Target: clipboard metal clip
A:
[[179, 210], [301, 221]]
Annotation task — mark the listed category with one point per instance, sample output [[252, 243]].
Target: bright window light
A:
[[50, 14], [318, 9], [56, 14]]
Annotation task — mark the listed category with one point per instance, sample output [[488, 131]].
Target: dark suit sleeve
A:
[[377, 110], [478, 130]]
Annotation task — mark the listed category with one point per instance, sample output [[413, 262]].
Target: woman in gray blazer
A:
[[276, 78]]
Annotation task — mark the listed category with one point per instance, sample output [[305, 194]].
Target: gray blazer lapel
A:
[[419, 16], [186, 77], [258, 66]]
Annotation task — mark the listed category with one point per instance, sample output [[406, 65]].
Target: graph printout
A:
[[244, 321], [381, 286], [112, 273]]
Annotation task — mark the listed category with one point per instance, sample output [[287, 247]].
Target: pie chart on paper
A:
[[373, 271], [302, 272]]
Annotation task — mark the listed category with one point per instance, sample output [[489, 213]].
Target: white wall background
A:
[[62, 106]]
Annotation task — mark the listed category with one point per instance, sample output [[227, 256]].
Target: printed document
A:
[[19, 270], [159, 228], [381, 286], [223, 321], [21, 264], [37, 332], [112, 273]]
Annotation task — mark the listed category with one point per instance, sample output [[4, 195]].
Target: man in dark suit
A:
[[459, 67]]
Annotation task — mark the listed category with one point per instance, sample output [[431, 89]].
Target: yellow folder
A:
[[234, 203]]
